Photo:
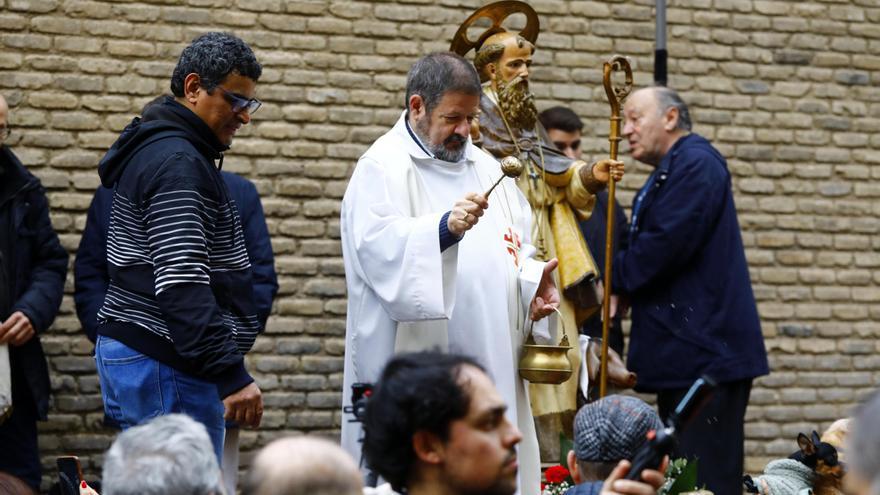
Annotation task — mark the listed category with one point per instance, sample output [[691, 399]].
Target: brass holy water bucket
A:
[[546, 363]]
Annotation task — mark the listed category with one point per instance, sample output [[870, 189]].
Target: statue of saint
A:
[[561, 191]]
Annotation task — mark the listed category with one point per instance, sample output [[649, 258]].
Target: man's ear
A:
[[492, 70], [670, 119], [416, 106], [428, 447], [191, 85], [573, 468]]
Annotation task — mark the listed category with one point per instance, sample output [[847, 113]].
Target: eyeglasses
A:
[[5, 132], [240, 103]]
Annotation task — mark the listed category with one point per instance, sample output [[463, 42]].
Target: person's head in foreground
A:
[[216, 77], [167, 455], [863, 450], [606, 432], [442, 99], [564, 128], [655, 118], [436, 424], [302, 466]]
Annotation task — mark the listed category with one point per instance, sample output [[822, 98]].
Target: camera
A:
[[360, 393]]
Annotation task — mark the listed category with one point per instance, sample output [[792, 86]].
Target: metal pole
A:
[[660, 52]]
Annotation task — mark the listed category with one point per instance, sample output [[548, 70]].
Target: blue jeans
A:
[[136, 387]]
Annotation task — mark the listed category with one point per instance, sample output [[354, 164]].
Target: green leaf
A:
[[686, 481], [565, 444]]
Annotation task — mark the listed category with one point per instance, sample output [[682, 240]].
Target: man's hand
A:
[[651, 481], [603, 168], [616, 302], [16, 330], [547, 298], [466, 213], [245, 406]]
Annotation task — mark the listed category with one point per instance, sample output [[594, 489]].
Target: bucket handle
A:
[[532, 325]]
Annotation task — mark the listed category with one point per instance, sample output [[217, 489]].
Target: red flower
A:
[[556, 474]]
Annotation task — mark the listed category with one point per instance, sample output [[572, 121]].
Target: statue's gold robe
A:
[[558, 197]]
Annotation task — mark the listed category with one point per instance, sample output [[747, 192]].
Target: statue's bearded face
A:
[[510, 78], [517, 103]]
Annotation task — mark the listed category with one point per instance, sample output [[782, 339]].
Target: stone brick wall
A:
[[788, 91]]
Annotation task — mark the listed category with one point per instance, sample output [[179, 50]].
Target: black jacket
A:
[[91, 277], [32, 270], [693, 311], [180, 280]]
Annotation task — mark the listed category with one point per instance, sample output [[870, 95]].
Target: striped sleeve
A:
[[181, 216], [179, 225]]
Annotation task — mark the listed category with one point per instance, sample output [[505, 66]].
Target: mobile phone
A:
[[69, 474]]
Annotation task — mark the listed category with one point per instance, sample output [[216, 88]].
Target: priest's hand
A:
[[608, 167], [651, 480], [466, 213], [547, 298]]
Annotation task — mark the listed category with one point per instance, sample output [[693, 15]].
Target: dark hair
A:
[[213, 56], [417, 392], [668, 98], [562, 118], [435, 74]]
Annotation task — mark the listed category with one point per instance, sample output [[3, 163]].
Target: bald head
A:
[[504, 55], [656, 117], [303, 466]]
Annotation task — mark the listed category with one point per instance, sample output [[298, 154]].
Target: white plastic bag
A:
[[5, 383]]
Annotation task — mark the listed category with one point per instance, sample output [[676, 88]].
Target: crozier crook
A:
[[616, 95]]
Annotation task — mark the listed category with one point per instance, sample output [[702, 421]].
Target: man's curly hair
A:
[[213, 56], [416, 392]]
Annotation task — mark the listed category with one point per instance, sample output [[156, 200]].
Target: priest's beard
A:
[[517, 103], [450, 150]]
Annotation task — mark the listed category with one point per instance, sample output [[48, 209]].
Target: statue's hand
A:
[[603, 169]]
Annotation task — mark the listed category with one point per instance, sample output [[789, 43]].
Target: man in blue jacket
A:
[[179, 313], [685, 273], [33, 266]]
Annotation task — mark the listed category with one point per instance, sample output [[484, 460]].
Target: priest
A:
[[431, 262]]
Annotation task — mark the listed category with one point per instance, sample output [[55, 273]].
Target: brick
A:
[[52, 100]]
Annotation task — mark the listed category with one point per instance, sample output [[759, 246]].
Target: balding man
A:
[[303, 466], [32, 269], [685, 272]]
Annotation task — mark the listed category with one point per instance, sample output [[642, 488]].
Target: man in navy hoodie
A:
[[685, 273], [90, 266], [179, 313], [33, 266]]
